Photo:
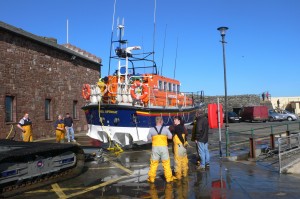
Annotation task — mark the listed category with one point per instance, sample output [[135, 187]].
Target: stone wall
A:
[[235, 101], [31, 72]]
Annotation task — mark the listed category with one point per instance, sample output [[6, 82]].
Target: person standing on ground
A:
[[172, 130], [198, 158], [25, 125], [263, 96], [59, 129], [159, 136], [68, 121], [267, 95], [180, 152], [201, 139]]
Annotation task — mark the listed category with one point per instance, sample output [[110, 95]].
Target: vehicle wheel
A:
[[290, 119], [271, 119]]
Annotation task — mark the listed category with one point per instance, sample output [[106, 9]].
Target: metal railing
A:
[[289, 151], [259, 137]]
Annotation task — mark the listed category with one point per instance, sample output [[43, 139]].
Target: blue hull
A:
[[132, 116]]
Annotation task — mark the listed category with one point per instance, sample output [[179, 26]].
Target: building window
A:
[[174, 87], [75, 114], [160, 85], [48, 109], [178, 88], [165, 86], [170, 87], [9, 108]]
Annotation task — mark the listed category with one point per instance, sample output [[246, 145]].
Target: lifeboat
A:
[[133, 96]]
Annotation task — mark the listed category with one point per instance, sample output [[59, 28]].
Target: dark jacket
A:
[[201, 131], [68, 121], [179, 130]]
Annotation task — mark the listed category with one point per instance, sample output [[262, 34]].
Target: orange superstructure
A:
[[146, 90]]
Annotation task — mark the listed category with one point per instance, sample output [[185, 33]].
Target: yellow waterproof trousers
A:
[[160, 153], [181, 161], [167, 170], [60, 134], [27, 134]]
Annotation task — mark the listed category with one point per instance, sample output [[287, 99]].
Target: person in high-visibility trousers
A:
[[59, 129], [25, 124], [180, 151], [159, 136]]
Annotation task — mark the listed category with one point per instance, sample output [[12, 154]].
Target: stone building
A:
[[235, 102], [43, 78], [287, 103]]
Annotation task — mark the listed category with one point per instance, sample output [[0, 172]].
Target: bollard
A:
[[252, 147], [272, 141], [227, 143]]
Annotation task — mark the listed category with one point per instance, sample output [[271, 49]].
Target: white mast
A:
[[67, 31]]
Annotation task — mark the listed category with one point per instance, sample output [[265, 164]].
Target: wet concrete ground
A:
[[125, 176]]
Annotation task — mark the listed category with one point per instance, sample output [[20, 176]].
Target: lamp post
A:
[[223, 32]]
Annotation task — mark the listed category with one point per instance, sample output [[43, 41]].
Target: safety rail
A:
[[120, 93], [259, 137], [289, 151]]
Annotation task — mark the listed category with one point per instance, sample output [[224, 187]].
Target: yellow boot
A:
[[152, 170]]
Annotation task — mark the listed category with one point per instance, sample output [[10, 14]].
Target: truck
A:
[[255, 113]]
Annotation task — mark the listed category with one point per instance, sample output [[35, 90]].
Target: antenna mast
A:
[[111, 37], [176, 58], [162, 65], [154, 27], [67, 31]]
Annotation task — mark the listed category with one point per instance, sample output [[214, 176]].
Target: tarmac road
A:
[[124, 176]]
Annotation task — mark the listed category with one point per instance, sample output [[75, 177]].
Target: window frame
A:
[[170, 87], [160, 85], [75, 110], [12, 108], [48, 109], [165, 86]]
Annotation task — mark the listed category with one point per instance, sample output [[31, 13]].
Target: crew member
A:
[[180, 152], [159, 136], [59, 129], [68, 121], [25, 125], [201, 139]]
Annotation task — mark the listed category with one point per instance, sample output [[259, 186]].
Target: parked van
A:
[[255, 113]]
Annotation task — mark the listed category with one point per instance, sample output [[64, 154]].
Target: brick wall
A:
[[32, 72]]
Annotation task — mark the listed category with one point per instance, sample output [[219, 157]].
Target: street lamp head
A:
[[222, 30]]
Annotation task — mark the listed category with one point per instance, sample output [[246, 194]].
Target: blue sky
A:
[[262, 50]]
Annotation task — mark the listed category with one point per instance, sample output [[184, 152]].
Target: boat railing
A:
[[119, 93]]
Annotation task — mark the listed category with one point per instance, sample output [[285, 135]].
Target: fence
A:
[[259, 137], [289, 151]]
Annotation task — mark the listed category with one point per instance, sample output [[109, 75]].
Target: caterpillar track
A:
[[28, 165]]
